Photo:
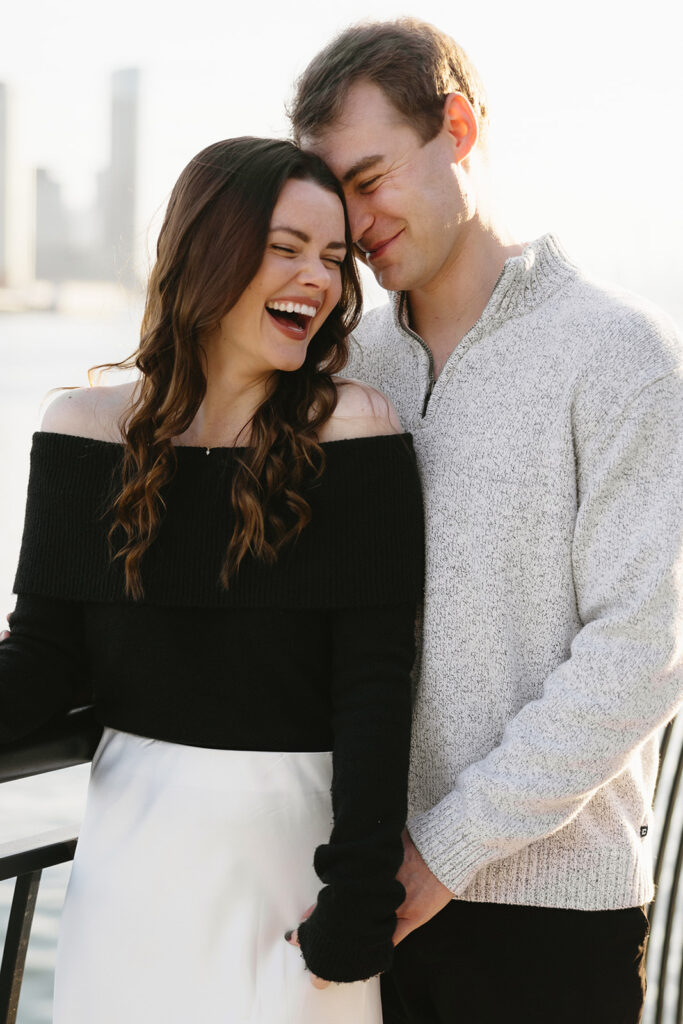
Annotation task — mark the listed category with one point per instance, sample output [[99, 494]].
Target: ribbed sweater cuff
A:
[[544, 873], [446, 851]]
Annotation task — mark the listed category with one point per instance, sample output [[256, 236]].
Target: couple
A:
[[230, 553]]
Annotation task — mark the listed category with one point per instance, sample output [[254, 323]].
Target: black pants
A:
[[488, 963]]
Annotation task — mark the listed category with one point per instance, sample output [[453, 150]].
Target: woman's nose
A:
[[316, 273]]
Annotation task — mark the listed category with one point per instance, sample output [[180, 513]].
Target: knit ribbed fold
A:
[[353, 553]]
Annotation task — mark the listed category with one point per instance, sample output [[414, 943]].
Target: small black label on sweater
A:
[[643, 831]]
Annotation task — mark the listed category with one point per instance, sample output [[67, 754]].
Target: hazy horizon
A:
[[583, 141]]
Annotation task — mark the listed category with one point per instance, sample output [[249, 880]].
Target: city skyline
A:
[[3, 183], [66, 242], [583, 137]]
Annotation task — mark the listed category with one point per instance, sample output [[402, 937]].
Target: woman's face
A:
[[297, 285]]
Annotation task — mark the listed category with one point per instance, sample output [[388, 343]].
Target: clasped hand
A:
[[425, 897]]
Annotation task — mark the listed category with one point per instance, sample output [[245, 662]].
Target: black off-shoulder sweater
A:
[[312, 653]]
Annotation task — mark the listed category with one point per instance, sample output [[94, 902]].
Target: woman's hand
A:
[[5, 632], [293, 939]]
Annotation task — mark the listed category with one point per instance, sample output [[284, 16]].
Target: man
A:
[[547, 415]]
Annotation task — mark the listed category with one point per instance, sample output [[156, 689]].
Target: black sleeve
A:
[[42, 664], [348, 937]]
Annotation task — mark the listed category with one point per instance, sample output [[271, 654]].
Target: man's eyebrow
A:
[[361, 165], [305, 238]]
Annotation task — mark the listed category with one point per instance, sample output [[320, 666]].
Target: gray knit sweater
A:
[[551, 453]]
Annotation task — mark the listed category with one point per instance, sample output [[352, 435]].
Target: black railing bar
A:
[[663, 747], [16, 944], [666, 825], [60, 743], [49, 762], [666, 944], [33, 853], [668, 817]]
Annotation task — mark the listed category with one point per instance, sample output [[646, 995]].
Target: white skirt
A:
[[191, 865]]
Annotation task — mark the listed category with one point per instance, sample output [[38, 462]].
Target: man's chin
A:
[[392, 278]]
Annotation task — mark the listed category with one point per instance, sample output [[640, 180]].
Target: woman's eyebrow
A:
[[305, 238]]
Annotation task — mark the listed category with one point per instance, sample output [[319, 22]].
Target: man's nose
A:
[[360, 217]]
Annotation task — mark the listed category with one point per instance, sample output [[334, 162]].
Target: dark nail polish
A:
[[288, 934]]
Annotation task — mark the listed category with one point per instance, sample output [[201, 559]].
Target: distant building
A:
[[3, 184], [17, 184], [40, 237], [51, 229], [117, 184], [96, 243]]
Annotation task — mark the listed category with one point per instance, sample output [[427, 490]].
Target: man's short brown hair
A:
[[414, 64]]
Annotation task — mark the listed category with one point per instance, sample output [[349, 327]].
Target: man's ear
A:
[[460, 122]]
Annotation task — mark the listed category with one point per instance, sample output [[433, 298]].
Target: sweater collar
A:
[[525, 282]]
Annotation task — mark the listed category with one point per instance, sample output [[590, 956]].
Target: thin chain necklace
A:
[[208, 450]]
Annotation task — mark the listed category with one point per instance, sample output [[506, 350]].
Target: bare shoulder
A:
[[362, 411], [90, 412]]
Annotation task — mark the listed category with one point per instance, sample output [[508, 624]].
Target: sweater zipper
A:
[[431, 380], [428, 392]]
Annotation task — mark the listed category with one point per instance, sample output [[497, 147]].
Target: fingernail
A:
[[288, 935]]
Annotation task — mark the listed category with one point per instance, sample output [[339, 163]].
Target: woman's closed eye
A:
[[288, 251]]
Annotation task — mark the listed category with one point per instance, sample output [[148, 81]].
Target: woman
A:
[[228, 554]]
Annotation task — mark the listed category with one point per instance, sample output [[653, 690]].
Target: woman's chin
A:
[[291, 362]]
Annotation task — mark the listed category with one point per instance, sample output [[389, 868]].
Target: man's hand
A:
[[425, 894]]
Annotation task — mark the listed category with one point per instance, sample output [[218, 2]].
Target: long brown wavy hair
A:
[[211, 245]]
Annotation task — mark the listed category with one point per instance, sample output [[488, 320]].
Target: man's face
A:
[[404, 197]]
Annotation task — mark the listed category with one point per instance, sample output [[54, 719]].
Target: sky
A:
[[585, 100]]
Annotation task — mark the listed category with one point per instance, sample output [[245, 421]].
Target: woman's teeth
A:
[[292, 307]]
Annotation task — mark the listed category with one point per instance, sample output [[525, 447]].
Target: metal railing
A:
[[73, 741], [61, 744], [664, 1003]]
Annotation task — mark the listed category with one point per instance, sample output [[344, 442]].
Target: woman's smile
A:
[[293, 316]]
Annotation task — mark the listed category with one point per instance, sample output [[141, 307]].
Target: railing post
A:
[[668, 933], [16, 944], [665, 945]]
